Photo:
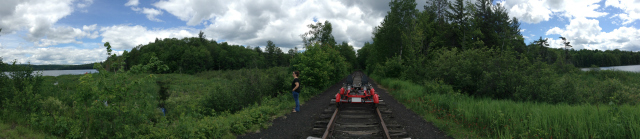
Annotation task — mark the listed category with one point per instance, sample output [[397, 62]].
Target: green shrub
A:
[[320, 66], [492, 118], [508, 75], [127, 104], [392, 68], [233, 90]]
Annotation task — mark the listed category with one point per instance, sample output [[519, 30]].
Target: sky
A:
[[74, 31]]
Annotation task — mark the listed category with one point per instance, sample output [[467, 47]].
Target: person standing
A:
[[296, 90]]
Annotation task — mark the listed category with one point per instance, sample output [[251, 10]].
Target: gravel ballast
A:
[[299, 125]]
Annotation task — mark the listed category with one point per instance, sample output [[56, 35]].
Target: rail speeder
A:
[[357, 89]]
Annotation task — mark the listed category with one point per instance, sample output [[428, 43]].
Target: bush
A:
[[392, 68], [127, 104], [320, 66], [20, 91], [233, 90], [506, 75]]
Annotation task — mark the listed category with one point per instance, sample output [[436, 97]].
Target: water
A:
[[63, 72], [632, 68]]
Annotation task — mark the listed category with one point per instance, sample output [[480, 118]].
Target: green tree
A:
[[108, 63], [349, 54], [473, 32], [319, 33], [458, 15], [271, 56], [486, 18], [387, 39], [439, 9], [566, 46], [320, 66], [201, 36]]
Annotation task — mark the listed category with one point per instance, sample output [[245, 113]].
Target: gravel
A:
[[299, 125]]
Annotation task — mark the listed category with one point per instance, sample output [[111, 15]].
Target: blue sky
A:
[[73, 31]]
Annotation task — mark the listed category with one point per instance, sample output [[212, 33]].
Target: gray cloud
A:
[[195, 11], [252, 23]]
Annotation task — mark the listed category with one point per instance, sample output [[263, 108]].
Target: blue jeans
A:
[[295, 96]]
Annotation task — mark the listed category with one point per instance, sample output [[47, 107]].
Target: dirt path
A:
[[299, 125]]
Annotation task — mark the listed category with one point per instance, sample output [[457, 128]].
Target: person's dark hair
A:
[[297, 73]]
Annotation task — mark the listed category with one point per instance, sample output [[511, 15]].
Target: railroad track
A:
[[357, 121]]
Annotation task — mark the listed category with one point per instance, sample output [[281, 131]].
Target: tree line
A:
[[409, 35], [197, 54], [478, 50], [61, 67]]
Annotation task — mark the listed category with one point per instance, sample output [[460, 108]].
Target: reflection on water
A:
[[632, 68], [63, 72]]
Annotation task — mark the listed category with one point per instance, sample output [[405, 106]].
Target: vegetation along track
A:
[[357, 120]]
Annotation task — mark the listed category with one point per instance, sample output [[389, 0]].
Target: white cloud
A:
[[38, 17], [84, 3], [55, 55], [34, 15], [150, 12], [67, 35], [123, 37], [631, 9], [587, 34], [532, 11], [132, 3], [536, 11]]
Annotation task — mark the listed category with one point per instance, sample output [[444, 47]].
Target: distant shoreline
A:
[[61, 72], [60, 67]]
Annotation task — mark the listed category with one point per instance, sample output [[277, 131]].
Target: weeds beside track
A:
[[464, 116]]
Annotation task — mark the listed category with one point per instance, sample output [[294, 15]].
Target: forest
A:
[[463, 66], [197, 54]]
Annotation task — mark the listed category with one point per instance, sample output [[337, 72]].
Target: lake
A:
[[632, 68], [63, 72]]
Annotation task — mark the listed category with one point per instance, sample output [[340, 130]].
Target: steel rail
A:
[[330, 125], [333, 118], [384, 126]]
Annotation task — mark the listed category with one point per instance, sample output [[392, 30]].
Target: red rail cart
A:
[[357, 89]]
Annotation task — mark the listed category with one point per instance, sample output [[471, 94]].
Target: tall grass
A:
[[20, 132], [509, 119]]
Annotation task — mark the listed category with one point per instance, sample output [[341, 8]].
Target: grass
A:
[[13, 131], [463, 116]]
